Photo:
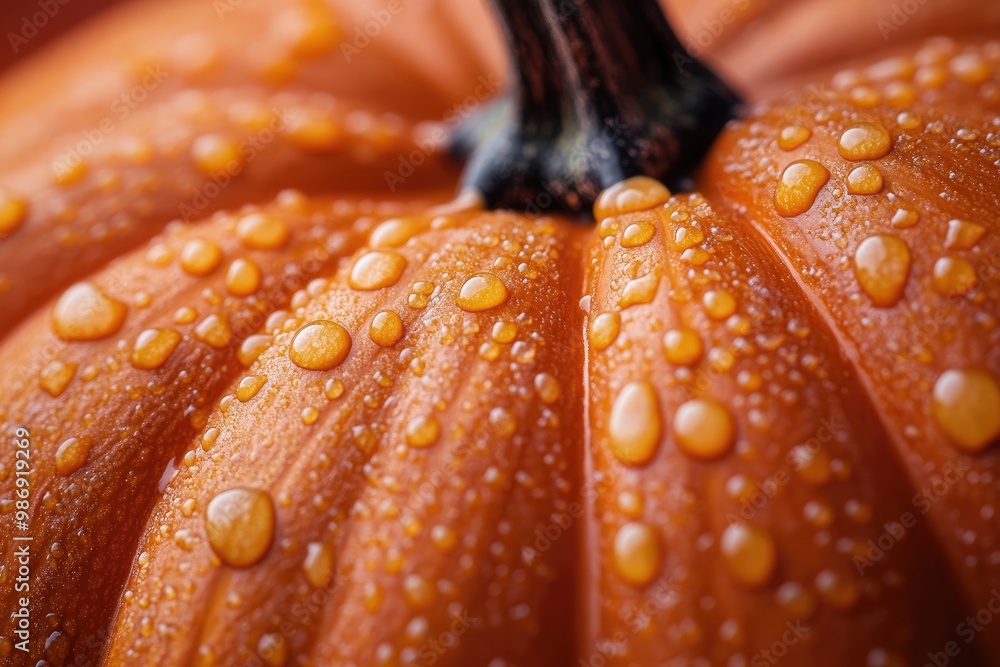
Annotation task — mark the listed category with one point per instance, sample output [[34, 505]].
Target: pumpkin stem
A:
[[601, 90]]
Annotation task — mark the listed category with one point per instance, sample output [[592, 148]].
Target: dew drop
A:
[[377, 269], [482, 292], [243, 277], [604, 330], [214, 331], [793, 136], [704, 429], [55, 377], [882, 267], [905, 218], [547, 387], [386, 328], [798, 186], [240, 526], [13, 211], [864, 141], [865, 180], [252, 347], [504, 331], [71, 455], [954, 276], [394, 233], [320, 346], [633, 194], [262, 231], [635, 424], [213, 153], [638, 234], [423, 431], [249, 386], [153, 347], [963, 235], [683, 347], [638, 555], [719, 304], [749, 553], [200, 257], [837, 590], [318, 565], [966, 407], [85, 312]]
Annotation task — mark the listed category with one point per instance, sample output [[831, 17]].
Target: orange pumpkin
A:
[[272, 397]]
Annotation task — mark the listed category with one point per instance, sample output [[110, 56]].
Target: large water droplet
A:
[[320, 346], [482, 292], [377, 269], [635, 424], [240, 526], [704, 429], [85, 312], [882, 266], [966, 407], [638, 555], [798, 186]]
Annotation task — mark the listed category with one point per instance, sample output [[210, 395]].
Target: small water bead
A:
[[695, 257], [547, 387], [966, 406], [793, 136], [604, 330], [719, 304], [864, 141], [638, 554], [687, 237], [377, 269], [639, 290], [444, 538], [638, 234], [865, 180], [882, 267], [273, 649], [797, 600], [963, 234], [749, 554], [704, 429], [635, 425], [504, 331], [56, 376], [13, 212], [954, 276], [200, 257], [971, 68], [249, 386], [318, 564], [320, 346], [333, 388], [309, 416], [632, 194], [423, 431], [798, 187], [312, 130], [837, 590], [208, 438], [71, 455], [503, 422], [243, 277], [213, 153], [905, 218], [240, 526], [908, 120], [683, 347], [482, 291], [85, 312], [395, 232], [419, 592], [252, 347], [386, 328], [71, 172], [262, 231], [153, 347], [214, 331]]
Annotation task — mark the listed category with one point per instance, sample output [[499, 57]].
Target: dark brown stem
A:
[[600, 90]]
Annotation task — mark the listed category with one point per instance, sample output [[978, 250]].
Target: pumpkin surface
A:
[[316, 411]]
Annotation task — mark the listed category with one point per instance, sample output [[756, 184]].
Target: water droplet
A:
[[797, 600], [334, 389], [683, 347], [908, 120], [882, 267], [214, 331], [423, 431], [249, 386], [547, 387], [638, 555], [243, 278], [905, 218], [865, 180], [377, 269], [394, 233], [954, 276], [749, 554], [798, 186], [864, 141], [704, 429], [55, 377], [793, 136], [966, 407], [200, 257], [253, 347], [262, 231], [418, 591], [504, 332], [638, 234], [273, 648], [635, 424], [214, 153], [604, 330], [837, 590], [71, 455], [240, 526], [971, 68], [13, 211], [153, 347], [633, 194], [482, 292], [386, 328], [318, 565], [85, 312], [963, 235], [639, 290], [719, 304], [320, 346], [811, 463]]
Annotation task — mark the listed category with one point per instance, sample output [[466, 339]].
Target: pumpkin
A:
[[272, 395]]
